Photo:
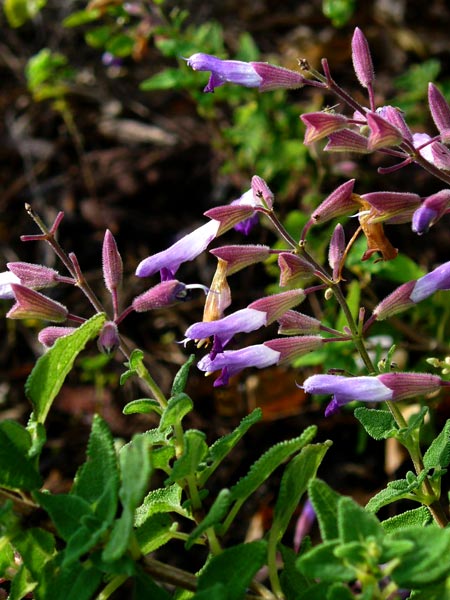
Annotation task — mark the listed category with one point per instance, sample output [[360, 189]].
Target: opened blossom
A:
[[412, 292], [271, 352], [261, 75], [385, 387], [259, 313], [6, 279], [168, 261]]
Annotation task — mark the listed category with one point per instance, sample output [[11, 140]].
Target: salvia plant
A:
[[107, 528]]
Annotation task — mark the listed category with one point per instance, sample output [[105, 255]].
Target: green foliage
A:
[[339, 11], [19, 12], [52, 368]]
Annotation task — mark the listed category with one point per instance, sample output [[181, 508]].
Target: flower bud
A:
[[238, 257], [362, 59], [347, 141], [294, 347], [34, 276], [321, 124], [440, 111], [274, 306], [108, 340], [49, 335], [382, 133], [293, 268], [111, 262], [33, 305], [337, 250], [295, 323], [339, 202], [262, 192], [163, 295]]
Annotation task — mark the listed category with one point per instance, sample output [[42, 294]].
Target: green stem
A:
[[112, 586], [272, 566], [158, 394]]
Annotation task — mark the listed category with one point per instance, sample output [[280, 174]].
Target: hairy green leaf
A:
[[51, 369], [215, 515], [142, 406], [294, 482], [221, 447], [17, 470], [325, 502], [438, 454], [177, 408], [379, 424], [195, 450], [418, 516], [166, 499], [355, 523], [135, 471], [97, 480], [235, 567], [65, 510], [268, 462], [428, 561], [180, 379], [321, 562]]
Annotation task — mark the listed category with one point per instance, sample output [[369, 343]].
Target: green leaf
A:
[[339, 591], [396, 490], [135, 471], [89, 533], [338, 11], [268, 462], [81, 17], [154, 532], [418, 516], [71, 582], [290, 578], [142, 406], [51, 369], [180, 379], [177, 407], [36, 547], [21, 585], [17, 470], [438, 454], [215, 515], [322, 563], [166, 499], [166, 80], [97, 480], [145, 587], [221, 447], [441, 591], [355, 523], [428, 561], [120, 45], [301, 469], [195, 450], [65, 510], [235, 567], [19, 12], [325, 502], [379, 424], [99, 36]]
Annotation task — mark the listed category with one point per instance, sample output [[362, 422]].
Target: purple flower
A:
[[6, 279], [269, 353], [259, 75], [234, 361], [382, 133], [238, 257], [412, 292], [430, 211], [382, 388], [440, 111], [185, 249], [241, 321]]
